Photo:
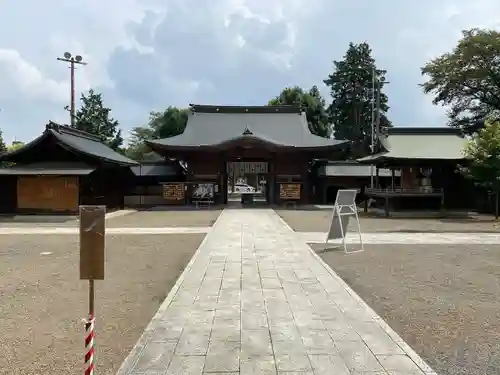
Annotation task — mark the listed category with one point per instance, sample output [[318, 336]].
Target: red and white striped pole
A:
[[89, 346]]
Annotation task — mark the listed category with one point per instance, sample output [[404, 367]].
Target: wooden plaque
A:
[[92, 242], [174, 191], [290, 191]]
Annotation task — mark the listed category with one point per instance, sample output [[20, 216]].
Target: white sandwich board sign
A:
[[343, 210]]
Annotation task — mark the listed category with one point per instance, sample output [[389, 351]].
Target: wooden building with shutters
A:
[[60, 170], [266, 149]]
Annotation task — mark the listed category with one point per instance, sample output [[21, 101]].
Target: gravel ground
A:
[[443, 300], [319, 220], [166, 218], [43, 300]]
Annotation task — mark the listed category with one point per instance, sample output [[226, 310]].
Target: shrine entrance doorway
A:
[[248, 182]]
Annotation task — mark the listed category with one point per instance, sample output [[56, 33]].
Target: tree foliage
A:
[[311, 102], [483, 151], [15, 145], [3, 146], [352, 92], [467, 79], [165, 124], [94, 118]]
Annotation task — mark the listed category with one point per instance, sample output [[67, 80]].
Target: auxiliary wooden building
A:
[[60, 170], [268, 147], [427, 160]]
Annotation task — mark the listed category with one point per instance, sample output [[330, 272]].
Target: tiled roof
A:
[[281, 126], [76, 141]]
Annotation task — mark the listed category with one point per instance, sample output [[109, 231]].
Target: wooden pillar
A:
[[304, 194], [377, 178], [387, 205], [392, 178], [271, 181]]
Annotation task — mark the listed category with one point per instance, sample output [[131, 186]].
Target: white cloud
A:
[[25, 80], [148, 54]]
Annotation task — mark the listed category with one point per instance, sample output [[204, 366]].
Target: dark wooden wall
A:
[[8, 194]]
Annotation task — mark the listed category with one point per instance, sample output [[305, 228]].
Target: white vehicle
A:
[[244, 188]]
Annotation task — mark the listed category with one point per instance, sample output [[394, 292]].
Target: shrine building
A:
[[267, 151]]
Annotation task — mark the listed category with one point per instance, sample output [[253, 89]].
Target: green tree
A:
[[3, 146], [15, 145], [165, 124], [94, 118], [467, 80], [136, 148], [483, 151], [168, 123], [311, 102], [351, 89]]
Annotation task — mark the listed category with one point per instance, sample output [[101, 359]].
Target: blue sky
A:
[[145, 55]]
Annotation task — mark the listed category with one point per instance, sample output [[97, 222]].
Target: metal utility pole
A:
[[72, 60], [372, 146], [376, 92], [377, 101]]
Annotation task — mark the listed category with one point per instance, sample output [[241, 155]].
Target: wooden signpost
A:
[[174, 193], [290, 191], [92, 257]]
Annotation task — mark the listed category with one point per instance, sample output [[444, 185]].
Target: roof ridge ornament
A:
[[68, 130], [247, 131]]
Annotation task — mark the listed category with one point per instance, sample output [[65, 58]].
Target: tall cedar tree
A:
[[311, 102], [94, 118], [467, 80], [351, 90], [165, 124]]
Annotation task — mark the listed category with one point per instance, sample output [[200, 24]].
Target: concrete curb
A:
[[109, 231], [111, 215]]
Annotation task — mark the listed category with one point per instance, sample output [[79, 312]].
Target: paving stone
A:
[[255, 343], [318, 342], [328, 364], [293, 362], [284, 331], [228, 312], [254, 320], [223, 356], [288, 347], [167, 331], [399, 364], [156, 356], [260, 365], [357, 356], [193, 342], [186, 365], [377, 340]]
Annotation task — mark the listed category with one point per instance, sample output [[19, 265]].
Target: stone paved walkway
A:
[[255, 300]]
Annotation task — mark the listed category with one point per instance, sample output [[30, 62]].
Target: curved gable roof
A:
[[211, 127], [76, 141]]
